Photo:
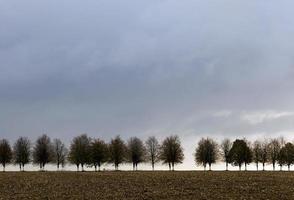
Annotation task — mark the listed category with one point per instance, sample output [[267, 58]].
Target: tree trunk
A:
[[239, 167], [245, 166], [263, 166], [209, 167], [227, 167], [169, 166], [257, 166], [152, 166], [288, 167], [20, 167]]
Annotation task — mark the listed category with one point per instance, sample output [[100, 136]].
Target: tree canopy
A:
[[117, 151], [240, 153], [79, 153], [22, 152], [172, 151], [43, 151], [136, 151], [5, 153], [206, 152], [99, 153]]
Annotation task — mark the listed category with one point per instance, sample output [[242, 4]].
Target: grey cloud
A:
[[144, 67]]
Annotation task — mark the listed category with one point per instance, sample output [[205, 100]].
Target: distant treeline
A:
[[86, 151]]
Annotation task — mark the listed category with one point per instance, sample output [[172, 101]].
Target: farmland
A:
[[147, 185]]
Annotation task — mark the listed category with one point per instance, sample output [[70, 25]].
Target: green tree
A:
[[206, 152], [171, 152], [240, 153], [79, 153], [22, 152], [5, 153]]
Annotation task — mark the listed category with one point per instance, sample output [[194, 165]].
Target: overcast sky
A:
[[139, 68]]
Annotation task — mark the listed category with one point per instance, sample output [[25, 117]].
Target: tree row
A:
[[91, 152]]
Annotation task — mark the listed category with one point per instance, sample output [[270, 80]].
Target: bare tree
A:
[[79, 153], [226, 146], [136, 151], [99, 153], [206, 152], [60, 153], [43, 151], [171, 151], [264, 153], [22, 152], [152, 150], [257, 152], [117, 150], [5, 153], [273, 150]]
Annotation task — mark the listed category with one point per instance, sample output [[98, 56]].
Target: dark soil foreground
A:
[[147, 185]]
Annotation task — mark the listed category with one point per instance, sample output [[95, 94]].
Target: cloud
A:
[[259, 117], [222, 113]]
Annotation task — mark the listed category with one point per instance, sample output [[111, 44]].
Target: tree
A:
[[286, 155], [257, 153], [43, 151], [22, 152], [264, 153], [99, 153], [117, 150], [171, 151], [206, 152], [274, 149], [5, 153], [240, 153], [152, 150], [79, 153], [60, 153], [282, 158], [248, 155], [225, 149], [136, 151]]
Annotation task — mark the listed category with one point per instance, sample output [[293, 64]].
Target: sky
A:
[[195, 68]]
